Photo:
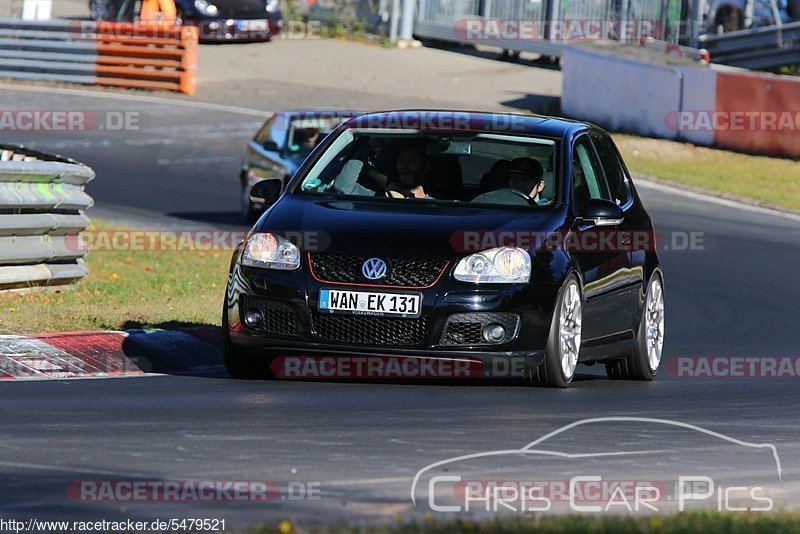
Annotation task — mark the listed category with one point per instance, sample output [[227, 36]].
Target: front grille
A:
[[404, 272], [279, 317], [366, 330], [467, 328]]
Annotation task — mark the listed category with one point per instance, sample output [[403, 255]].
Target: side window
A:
[[615, 173], [587, 177], [265, 133], [274, 130]]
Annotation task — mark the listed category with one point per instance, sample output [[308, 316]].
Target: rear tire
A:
[[644, 360], [112, 9], [239, 363], [563, 347]]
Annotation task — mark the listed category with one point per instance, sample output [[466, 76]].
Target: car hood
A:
[[394, 229], [241, 9]]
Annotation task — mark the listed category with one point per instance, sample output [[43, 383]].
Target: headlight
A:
[[495, 266], [206, 8], [272, 6], [270, 251]]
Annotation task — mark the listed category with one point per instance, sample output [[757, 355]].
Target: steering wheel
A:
[[520, 194]]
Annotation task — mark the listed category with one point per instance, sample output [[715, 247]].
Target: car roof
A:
[[305, 112], [439, 120]]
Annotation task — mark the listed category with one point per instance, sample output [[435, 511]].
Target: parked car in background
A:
[[280, 146], [732, 15], [216, 20]]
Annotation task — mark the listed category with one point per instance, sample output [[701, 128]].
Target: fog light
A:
[[494, 333], [253, 317]]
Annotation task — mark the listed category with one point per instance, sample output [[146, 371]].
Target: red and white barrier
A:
[[663, 97]]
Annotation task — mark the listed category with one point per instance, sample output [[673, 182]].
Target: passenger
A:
[[526, 175]]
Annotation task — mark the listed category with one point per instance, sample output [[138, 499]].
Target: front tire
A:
[[644, 360], [564, 344], [112, 10], [238, 363]]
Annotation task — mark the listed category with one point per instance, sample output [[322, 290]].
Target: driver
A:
[[411, 166], [305, 140]]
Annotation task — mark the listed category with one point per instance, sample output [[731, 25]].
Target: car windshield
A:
[[403, 165], [305, 133]]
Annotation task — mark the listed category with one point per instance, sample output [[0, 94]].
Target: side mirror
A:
[[266, 191], [601, 212], [271, 146]]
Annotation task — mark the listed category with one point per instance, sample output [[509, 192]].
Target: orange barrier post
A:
[[189, 40], [159, 11], [154, 56]]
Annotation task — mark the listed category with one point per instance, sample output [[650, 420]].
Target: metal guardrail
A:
[[42, 204], [760, 48], [114, 54], [440, 19]]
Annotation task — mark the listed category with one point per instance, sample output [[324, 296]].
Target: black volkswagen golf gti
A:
[[453, 236]]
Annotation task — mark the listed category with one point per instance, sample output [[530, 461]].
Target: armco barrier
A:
[[671, 98], [756, 48], [42, 204], [118, 54]]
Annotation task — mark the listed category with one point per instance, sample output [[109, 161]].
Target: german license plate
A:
[[369, 303], [252, 25]]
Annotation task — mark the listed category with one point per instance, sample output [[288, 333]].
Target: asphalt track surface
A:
[[363, 443]]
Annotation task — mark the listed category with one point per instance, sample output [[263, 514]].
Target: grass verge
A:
[[126, 290], [700, 521], [761, 180]]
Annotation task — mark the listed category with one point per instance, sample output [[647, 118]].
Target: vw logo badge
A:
[[374, 269]]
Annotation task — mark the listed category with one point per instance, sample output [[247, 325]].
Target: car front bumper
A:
[[225, 30], [296, 294]]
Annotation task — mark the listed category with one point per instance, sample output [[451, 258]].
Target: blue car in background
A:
[[731, 15], [216, 20], [279, 148]]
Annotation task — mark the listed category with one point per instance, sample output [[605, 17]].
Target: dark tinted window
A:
[[615, 172], [442, 167], [274, 130], [587, 175], [265, 133]]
